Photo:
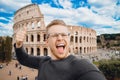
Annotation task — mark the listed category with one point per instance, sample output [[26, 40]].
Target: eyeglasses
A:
[[55, 35]]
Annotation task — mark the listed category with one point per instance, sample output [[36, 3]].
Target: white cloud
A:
[[6, 33], [7, 26], [3, 18], [55, 13], [6, 29], [108, 8], [65, 3], [97, 17], [56, 2], [100, 30], [100, 3], [12, 5], [82, 15], [3, 10]]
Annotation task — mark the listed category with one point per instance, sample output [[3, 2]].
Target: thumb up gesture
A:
[[20, 37]]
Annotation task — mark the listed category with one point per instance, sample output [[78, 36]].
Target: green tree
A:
[[8, 48], [2, 47], [110, 68]]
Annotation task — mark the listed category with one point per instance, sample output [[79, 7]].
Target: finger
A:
[[25, 28], [20, 35]]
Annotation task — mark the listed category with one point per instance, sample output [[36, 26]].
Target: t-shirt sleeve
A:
[[29, 60]]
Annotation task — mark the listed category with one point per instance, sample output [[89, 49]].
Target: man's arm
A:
[[92, 75], [87, 70], [25, 59], [22, 56], [29, 60]]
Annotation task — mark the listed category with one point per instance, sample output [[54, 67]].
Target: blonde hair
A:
[[55, 22]]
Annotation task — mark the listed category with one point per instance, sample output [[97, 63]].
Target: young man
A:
[[61, 65]]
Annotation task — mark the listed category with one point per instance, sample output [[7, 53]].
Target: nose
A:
[[59, 37]]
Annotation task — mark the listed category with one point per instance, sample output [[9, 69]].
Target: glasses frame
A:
[[55, 35]]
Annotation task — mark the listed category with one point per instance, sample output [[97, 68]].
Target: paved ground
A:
[[15, 71]]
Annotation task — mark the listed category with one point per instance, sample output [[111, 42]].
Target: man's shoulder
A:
[[44, 58], [83, 64]]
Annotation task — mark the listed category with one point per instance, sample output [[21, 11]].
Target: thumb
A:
[[25, 28]]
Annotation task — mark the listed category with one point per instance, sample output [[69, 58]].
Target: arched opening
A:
[[44, 39], [27, 50], [76, 39], [38, 37], [45, 51], [39, 24], [76, 50], [76, 33], [71, 39], [80, 50], [33, 25], [32, 38], [80, 39], [84, 50], [26, 38], [38, 51], [32, 51]]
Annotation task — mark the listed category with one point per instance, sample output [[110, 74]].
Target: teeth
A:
[[60, 45]]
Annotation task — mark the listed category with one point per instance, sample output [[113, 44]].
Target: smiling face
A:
[[58, 41]]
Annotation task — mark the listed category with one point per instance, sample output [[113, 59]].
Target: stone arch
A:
[[44, 37], [71, 39], [38, 51], [45, 51], [80, 50], [27, 25], [76, 32], [87, 49], [32, 51], [32, 38], [80, 39], [84, 49], [76, 39], [33, 25], [76, 50], [26, 38], [38, 37], [39, 24], [87, 38]]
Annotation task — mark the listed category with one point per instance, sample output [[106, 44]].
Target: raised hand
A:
[[20, 37]]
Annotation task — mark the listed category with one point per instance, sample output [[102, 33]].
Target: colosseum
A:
[[82, 39]]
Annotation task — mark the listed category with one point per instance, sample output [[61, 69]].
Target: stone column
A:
[[41, 51], [82, 50], [35, 24], [35, 38], [28, 38], [29, 50], [41, 37], [35, 51]]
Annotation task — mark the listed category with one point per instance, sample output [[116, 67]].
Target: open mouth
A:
[[60, 47]]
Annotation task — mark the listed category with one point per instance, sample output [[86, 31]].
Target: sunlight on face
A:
[[58, 41]]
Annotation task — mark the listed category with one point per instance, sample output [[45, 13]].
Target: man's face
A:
[[58, 41]]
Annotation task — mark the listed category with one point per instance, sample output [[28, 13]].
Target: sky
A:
[[101, 15]]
